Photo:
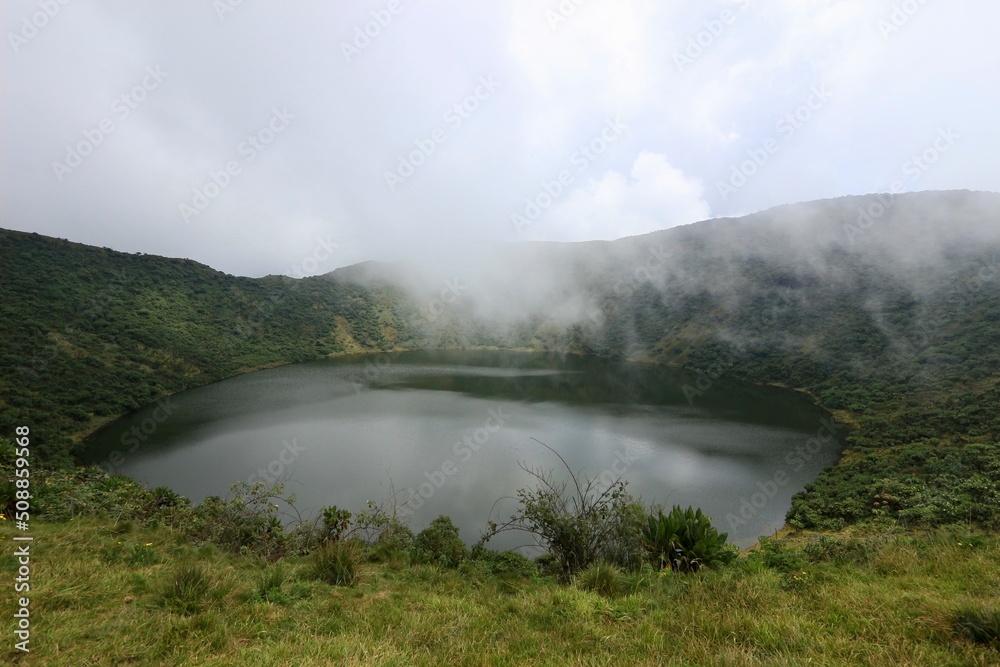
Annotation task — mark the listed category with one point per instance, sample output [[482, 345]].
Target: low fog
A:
[[882, 248]]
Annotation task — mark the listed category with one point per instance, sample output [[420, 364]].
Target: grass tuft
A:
[[269, 584], [604, 579], [186, 591], [337, 563]]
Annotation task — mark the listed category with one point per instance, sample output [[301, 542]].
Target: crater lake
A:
[[447, 430]]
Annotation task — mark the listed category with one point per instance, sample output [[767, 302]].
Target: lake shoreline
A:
[[710, 435]]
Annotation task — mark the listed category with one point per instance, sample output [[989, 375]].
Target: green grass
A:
[[910, 600]]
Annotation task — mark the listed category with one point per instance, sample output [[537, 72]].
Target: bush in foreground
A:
[[579, 521], [440, 543], [246, 522]]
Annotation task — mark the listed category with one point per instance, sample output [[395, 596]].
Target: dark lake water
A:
[[448, 428]]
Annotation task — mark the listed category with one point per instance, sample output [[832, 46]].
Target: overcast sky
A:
[[296, 137]]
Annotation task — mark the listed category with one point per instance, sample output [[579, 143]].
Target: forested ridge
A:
[[89, 333]]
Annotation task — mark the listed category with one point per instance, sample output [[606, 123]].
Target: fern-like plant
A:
[[685, 541]]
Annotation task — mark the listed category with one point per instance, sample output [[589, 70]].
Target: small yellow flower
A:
[[149, 544]]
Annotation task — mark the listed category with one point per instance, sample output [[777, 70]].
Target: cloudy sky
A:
[[262, 137]]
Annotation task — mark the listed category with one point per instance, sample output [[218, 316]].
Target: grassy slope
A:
[[97, 600]]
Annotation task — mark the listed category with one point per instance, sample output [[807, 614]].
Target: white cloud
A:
[[654, 195], [595, 58]]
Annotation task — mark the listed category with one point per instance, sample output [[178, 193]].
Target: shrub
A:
[[548, 565], [164, 504], [89, 491], [245, 523], [186, 590], [623, 543], [577, 521], [330, 525], [380, 523], [395, 536], [337, 563], [393, 544], [685, 541], [602, 578], [163, 496], [439, 543], [503, 563]]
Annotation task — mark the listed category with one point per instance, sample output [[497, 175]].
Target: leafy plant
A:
[[335, 523], [685, 541], [247, 522], [395, 536], [378, 525], [548, 565]]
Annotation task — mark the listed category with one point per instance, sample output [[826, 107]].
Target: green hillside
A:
[[90, 333]]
